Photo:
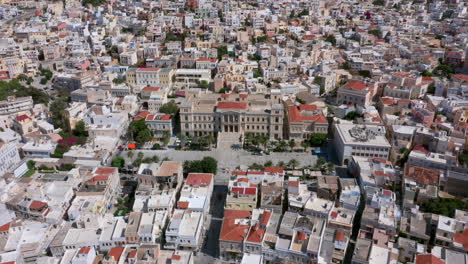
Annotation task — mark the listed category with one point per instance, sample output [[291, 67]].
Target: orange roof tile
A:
[[84, 250], [428, 259], [462, 238], [274, 169], [355, 85], [116, 253], [232, 105], [199, 179]]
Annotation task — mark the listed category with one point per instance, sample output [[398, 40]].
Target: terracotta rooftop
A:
[[37, 205], [428, 259], [355, 85], [462, 238], [422, 175], [198, 179], [232, 105], [274, 169], [231, 229], [116, 253], [84, 250]]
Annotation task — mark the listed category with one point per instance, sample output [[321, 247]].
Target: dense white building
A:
[[360, 140]]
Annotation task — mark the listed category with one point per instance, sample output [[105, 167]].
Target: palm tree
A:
[[305, 145], [248, 137], [281, 164], [282, 145], [263, 140], [292, 144], [293, 164], [140, 155], [130, 154], [210, 140]]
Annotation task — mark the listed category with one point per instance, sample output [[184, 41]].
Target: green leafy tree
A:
[[138, 130], [59, 114], [444, 206], [169, 108], [80, 129], [222, 50], [331, 39], [317, 140], [206, 165], [204, 84], [93, 2], [166, 138], [118, 162], [130, 155], [365, 73], [268, 163], [258, 74], [351, 116], [144, 136]]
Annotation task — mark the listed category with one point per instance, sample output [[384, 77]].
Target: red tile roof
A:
[[247, 190], [462, 238], [307, 107], [461, 77], [422, 175], [339, 236], [132, 253], [166, 117], [104, 170], [355, 85], [175, 257], [22, 117], [182, 205], [37, 205], [293, 183], [232, 105], [141, 115], [256, 172], [116, 253], [84, 250], [387, 193], [265, 218], [387, 100], [428, 259], [239, 172], [100, 178], [301, 236], [295, 116], [256, 234], [274, 170], [198, 179], [5, 227], [152, 89], [232, 231], [148, 69]]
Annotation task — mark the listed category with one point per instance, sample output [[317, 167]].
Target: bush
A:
[[169, 108], [43, 81], [444, 206], [317, 140], [206, 165], [118, 162]]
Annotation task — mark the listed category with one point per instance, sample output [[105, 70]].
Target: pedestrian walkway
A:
[[227, 139]]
